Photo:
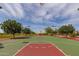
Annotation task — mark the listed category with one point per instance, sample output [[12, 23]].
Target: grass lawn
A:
[[70, 47]]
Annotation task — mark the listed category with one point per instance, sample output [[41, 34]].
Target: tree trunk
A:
[[13, 36], [66, 35]]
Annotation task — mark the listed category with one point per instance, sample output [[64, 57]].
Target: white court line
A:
[[49, 46], [21, 49], [36, 47], [43, 47], [33, 47], [60, 50]]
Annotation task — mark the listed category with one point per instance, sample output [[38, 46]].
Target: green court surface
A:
[[70, 47]]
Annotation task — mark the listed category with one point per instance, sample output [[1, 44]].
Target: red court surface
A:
[[40, 50]]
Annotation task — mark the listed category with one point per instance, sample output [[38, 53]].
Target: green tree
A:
[[66, 29], [11, 27], [55, 31], [27, 31], [49, 30]]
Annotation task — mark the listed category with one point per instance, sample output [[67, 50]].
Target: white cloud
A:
[[15, 10], [4, 12], [18, 10], [50, 5], [46, 11], [73, 21], [37, 19], [47, 17], [41, 13], [71, 9], [9, 9]]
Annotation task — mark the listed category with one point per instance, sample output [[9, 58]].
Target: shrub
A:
[[72, 35]]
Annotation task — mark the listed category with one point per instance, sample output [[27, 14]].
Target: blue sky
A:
[[39, 16]]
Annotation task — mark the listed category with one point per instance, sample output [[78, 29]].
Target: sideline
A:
[[59, 49], [21, 49]]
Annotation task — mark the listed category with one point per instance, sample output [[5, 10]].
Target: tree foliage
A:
[[66, 29], [27, 31], [11, 27], [49, 30]]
